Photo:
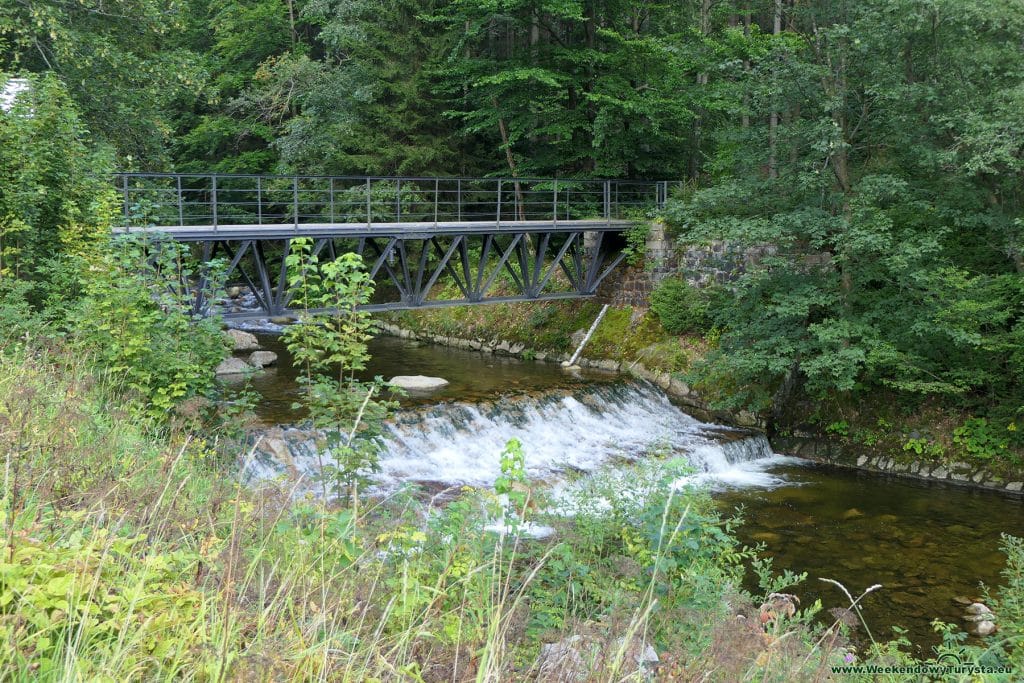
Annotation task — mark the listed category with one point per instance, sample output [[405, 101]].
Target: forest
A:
[[871, 150], [878, 146]]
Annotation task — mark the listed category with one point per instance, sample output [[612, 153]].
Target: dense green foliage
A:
[[883, 162], [134, 318], [51, 199], [121, 302], [680, 307], [330, 347]]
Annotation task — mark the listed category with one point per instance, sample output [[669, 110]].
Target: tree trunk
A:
[[746, 71], [702, 80], [773, 121], [503, 129]]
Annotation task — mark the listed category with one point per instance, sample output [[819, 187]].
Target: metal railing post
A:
[[332, 199], [369, 219], [437, 191], [608, 202], [554, 202], [398, 200], [259, 200], [498, 222], [213, 200], [295, 200], [124, 188], [458, 200], [181, 208]]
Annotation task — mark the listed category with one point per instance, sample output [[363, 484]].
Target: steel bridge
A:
[[544, 239]]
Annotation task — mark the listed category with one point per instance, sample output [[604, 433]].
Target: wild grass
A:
[[131, 552]]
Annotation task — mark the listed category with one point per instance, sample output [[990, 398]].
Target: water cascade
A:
[[562, 431]]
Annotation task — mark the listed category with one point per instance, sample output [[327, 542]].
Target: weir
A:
[[495, 239], [565, 432]]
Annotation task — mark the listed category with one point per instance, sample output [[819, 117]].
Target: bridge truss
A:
[[487, 240]]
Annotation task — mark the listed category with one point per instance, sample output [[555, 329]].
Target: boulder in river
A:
[[418, 382], [980, 620], [243, 341], [233, 366], [261, 359]]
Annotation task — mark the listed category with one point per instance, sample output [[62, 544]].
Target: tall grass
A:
[[130, 552]]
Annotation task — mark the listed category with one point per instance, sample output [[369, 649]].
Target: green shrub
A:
[[329, 348], [134, 319], [636, 242], [680, 307], [981, 439], [54, 197]]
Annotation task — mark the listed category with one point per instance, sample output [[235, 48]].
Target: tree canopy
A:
[[878, 145]]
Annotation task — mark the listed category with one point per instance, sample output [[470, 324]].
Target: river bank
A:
[[131, 550]]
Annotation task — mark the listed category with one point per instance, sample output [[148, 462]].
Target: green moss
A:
[[624, 334]]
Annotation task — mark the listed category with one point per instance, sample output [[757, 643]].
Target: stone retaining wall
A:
[[718, 262], [832, 452]]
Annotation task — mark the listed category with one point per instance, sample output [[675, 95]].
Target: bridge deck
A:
[[412, 233], [206, 233]]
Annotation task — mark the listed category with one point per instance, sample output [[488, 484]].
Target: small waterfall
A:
[[561, 431]]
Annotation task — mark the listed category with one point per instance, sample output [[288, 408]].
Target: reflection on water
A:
[[926, 543]]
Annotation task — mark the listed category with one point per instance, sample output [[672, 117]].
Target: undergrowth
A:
[[131, 552]]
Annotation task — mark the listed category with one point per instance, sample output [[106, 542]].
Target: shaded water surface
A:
[[926, 543], [472, 376]]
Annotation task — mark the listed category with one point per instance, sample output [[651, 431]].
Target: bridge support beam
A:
[[428, 270]]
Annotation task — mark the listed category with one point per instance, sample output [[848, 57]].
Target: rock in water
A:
[[243, 341], [233, 366], [978, 608], [981, 621], [261, 359], [418, 382], [985, 628]]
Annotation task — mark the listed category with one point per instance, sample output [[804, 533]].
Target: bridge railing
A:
[[214, 200]]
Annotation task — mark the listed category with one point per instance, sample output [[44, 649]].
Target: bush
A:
[[680, 307], [54, 197], [134, 319]]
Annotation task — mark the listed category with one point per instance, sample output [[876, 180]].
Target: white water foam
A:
[[561, 432]]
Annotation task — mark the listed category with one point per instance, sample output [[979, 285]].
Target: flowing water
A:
[[926, 543]]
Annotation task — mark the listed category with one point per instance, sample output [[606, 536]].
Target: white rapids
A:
[[561, 432]]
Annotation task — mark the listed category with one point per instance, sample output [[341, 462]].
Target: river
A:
[[926, 543]]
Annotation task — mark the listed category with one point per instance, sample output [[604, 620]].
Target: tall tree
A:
[[120, 60]]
